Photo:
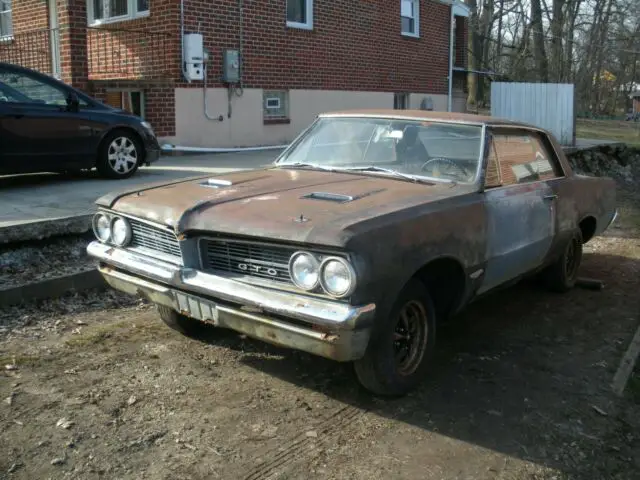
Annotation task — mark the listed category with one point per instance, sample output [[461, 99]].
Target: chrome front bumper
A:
[[322, 327]]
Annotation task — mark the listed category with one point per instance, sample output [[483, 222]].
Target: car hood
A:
[[296, 205]]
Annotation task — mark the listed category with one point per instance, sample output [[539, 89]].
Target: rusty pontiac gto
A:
[[366, 233]]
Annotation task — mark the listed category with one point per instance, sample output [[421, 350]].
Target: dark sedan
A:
[[48, 126]]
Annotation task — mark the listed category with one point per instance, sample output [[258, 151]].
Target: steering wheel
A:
[[448, 163]]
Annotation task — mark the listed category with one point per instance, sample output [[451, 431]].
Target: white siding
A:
[[545, 105]]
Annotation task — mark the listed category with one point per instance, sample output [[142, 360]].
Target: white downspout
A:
[[184, 73], [451, 54]]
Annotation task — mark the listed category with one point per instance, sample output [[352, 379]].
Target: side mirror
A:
[[73, 103]]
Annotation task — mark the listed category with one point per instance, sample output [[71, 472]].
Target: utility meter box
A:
[[193, 56], [231, 66]]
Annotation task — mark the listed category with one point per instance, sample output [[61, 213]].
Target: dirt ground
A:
[[95, 386]]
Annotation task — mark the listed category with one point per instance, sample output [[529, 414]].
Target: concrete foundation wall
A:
[[246, 126]]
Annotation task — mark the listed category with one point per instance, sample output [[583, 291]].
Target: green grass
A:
[[625, 132]]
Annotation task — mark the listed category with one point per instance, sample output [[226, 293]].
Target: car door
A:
[[520, 206], [38, 130]]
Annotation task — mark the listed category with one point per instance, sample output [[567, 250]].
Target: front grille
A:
[[250, 259], [154, 240]]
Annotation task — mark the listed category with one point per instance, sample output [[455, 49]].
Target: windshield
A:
[[404, 148]]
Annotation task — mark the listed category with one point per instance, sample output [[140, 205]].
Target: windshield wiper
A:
[[305, 165], [372, 168]]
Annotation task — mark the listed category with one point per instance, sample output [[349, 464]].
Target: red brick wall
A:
[[159, 103], [30, 45], [355, 45], [147, 47]]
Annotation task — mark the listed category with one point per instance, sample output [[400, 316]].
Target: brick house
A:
[[298, 57]]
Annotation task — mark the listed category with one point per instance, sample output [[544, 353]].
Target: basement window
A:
[[130, 100], [275, 106], [400, 101], [110, 11]]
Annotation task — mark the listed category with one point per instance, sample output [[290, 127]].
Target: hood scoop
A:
[[338, 197], [329, 197], [216, 183]]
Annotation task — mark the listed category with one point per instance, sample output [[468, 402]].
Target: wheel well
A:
[[588, 228], [445, 279], [130, 131]]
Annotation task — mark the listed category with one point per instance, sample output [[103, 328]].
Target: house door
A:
[[54, 38]]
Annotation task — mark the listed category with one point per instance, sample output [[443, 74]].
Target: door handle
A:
[[550, 197]]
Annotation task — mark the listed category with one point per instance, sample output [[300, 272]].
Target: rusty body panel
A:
[[388, 228]]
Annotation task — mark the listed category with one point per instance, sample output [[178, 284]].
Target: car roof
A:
[[427, 115]]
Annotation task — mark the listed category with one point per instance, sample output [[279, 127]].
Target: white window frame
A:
[[132, 13], [270, 95], [8, 35], [416, 19], [308, 25]]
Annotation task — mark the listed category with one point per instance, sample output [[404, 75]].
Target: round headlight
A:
[[304, 270], [120, 232], [337, 277], [102, 227]]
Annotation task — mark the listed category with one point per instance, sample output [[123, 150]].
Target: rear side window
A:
[[522, 157]]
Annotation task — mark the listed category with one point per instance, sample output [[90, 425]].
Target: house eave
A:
[[460, 9]]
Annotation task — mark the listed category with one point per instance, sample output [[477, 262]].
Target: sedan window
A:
[[30, 90]]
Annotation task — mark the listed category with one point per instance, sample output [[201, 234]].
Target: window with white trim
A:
[[300, 14], [410, 17], [106, 11], [275, 104], [6, 22]]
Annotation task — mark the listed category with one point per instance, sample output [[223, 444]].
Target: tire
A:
[[561, 275], [120, 155], [379, 371], [187, 326]]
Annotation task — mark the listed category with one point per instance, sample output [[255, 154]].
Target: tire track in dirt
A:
[[304, 448]]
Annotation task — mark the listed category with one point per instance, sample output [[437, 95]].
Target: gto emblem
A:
[[245, 267]]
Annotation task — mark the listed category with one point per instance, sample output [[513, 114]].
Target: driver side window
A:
[[17, 87]]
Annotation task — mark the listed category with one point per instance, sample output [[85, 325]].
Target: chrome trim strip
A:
[[326, 313], [341, 345]]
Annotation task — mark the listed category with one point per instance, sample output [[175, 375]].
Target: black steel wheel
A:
[[398, 353], [561, 276]]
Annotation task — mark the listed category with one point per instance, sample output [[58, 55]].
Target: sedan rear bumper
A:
[[322, 327]]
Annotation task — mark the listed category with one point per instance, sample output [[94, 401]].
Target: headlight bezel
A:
[[94, 225], [129, 231], [321, 261], [314, 260], [352, 276]]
